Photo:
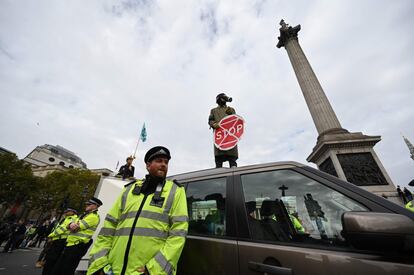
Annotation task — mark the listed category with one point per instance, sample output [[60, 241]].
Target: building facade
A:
[[49, 155]]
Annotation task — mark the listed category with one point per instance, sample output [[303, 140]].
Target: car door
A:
[[211, 246], [294, 227]]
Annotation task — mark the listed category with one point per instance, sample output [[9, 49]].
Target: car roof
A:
[[223, 171]]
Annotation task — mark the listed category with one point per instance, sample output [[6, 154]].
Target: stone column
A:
[[321, 110], [349, 156]]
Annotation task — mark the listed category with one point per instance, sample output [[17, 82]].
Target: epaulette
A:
[[177, 183], [129, 183]]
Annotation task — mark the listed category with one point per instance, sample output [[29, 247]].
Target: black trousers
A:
[[220, 159], [53, 253], [70, 258], [13, 243]]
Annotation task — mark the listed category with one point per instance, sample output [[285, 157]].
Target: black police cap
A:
[[157, 151], [70, 209], [94, 200]]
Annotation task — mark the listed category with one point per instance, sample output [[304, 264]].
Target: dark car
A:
[[288, 218]]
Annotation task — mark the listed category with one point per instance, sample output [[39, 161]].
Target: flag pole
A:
[[136, 147]]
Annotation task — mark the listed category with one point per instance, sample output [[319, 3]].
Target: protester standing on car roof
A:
[[79, 239], [217, 114], [57, 239], [145, 230], [127, 170]]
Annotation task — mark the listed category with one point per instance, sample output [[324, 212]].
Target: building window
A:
[[51, 159], [62, 163]]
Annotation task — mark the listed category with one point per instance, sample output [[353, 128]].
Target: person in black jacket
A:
[[127, 170], [16, 237], [5, 230]]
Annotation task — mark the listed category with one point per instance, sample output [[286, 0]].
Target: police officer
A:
[[410, 205], [79, 239], [145, 230], [217, 114], [58, 240]]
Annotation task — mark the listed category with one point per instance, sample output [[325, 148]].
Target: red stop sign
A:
[[231, 129]]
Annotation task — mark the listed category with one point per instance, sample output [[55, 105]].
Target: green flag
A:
[[143, 135]]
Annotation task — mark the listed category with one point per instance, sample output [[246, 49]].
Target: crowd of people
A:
[[22, 233]]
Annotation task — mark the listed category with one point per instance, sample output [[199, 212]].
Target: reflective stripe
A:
[[165, 265], [178, 233], [84, 223], [81, 235], [154, 216], [175, 219], [111, 219], [143, 232], [146, 214], [60, 228], [170, 199], [124, 197], [100, 254], [107, 231], [128, 215]]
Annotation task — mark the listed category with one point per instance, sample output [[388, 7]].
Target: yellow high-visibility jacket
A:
[[88, 224], [137, 232], [410, 205], [61, 231]]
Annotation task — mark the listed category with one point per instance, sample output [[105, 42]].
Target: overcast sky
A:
[[87, 74]]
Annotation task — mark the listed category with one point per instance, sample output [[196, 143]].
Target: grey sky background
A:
[[87, 74]]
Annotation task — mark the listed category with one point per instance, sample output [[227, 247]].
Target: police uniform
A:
[[146, 227], [410, 205], [58, 238], [77, 243]]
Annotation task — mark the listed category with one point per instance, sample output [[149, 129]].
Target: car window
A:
[[206, 202], [286, 206]]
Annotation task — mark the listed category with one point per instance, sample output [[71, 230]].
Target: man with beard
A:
[[145, 230]]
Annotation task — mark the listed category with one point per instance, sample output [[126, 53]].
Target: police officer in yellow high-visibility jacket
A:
[[145, 230], [58, 240], [79, 239], [410, 205]]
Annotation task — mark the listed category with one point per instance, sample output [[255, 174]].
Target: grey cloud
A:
[[91, 77]]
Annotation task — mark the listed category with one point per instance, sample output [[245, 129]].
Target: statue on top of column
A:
[[287, 32]]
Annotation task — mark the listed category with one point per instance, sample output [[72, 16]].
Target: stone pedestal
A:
[[349, 156]]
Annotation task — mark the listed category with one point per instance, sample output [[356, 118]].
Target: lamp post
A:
[[85, 193]]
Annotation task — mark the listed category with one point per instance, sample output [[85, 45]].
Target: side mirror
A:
[[378, 231]]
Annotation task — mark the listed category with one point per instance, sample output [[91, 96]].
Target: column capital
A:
[[287, 33]]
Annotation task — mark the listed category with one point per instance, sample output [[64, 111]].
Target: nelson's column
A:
[[349, 156]]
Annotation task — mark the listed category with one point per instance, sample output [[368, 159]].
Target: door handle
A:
[[270, 269]]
